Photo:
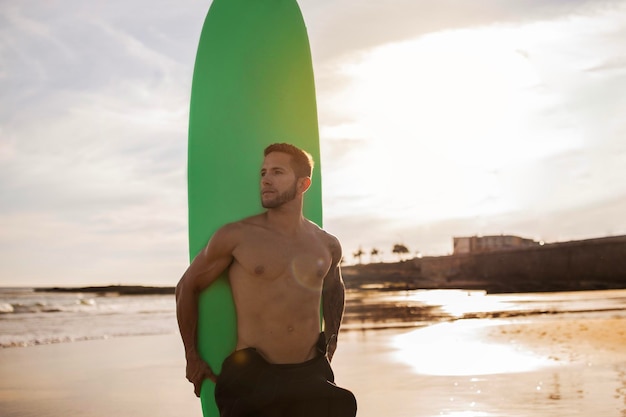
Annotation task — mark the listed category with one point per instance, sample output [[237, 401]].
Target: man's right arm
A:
[[206, 267], [333, 298]]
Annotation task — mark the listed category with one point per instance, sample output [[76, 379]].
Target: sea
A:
[[29, 317]]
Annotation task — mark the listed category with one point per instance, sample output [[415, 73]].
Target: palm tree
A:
[[358, 254], [400, 249], [374, 254]]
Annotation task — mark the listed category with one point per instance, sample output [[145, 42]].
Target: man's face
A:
[[278, 180]]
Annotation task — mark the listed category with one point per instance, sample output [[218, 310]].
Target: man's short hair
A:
[[301, 161]]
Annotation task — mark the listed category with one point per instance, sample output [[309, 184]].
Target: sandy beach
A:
[[481, 367]]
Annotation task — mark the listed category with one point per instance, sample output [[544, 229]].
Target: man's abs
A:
[[279, 341]]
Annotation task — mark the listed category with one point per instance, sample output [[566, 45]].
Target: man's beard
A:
[[280, 199]]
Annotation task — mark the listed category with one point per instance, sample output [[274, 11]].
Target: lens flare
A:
[[308, 271]]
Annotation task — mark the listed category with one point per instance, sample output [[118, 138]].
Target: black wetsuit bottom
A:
[[249, 386]]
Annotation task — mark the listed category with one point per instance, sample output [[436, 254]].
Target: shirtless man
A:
[[279, 265]]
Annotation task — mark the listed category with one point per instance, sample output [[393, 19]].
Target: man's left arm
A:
[[333, 300]]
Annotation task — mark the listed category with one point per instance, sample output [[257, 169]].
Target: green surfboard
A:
[[252, 86]]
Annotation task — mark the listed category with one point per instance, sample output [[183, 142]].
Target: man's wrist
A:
[[191, 354]]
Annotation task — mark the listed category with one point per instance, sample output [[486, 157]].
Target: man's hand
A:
[[197, 371]]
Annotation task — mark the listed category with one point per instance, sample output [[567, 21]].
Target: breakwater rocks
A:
[[591, 264], [112, 290]]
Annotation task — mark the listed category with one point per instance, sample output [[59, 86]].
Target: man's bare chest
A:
[[273, 259]]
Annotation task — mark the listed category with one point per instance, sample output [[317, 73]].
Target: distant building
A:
[[481, 244]]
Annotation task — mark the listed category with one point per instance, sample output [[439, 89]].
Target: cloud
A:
[[340, 27], [93, 126]]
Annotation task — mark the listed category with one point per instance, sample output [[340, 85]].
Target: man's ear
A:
[[304, 183]]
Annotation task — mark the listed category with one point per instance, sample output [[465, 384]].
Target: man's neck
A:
[[286, 219]]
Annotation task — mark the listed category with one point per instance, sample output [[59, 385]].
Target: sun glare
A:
[[456, 349], [460, 302], [445, 114]]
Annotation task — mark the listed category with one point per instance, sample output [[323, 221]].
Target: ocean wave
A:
[[78, 306], [29, 340], [48, 341], [6, 308]]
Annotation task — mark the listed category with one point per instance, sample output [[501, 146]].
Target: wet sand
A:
[[539, 367], [588, 340], [121, 377]]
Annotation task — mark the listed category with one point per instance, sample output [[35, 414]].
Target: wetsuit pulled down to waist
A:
[[249, 386]]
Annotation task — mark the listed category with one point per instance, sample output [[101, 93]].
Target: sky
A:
[[438, 119]]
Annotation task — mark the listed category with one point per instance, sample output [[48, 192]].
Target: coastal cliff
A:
[[577, 265]]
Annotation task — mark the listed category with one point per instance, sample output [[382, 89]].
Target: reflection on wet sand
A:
[[457, 349], [386, 309]]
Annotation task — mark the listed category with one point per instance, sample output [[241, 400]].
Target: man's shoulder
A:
[[329, 239], [234, 233], [255, 221], [242, 225]]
